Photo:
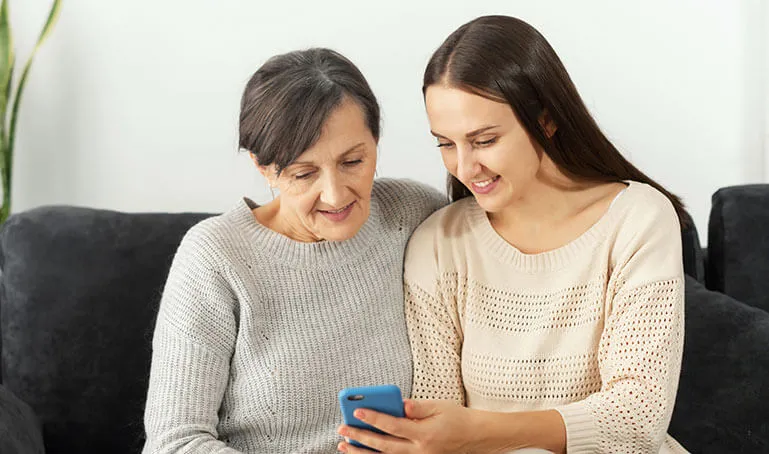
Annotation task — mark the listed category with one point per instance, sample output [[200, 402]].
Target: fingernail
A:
[[360, 414]]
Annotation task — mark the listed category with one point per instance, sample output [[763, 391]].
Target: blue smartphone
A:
[[382, 398]]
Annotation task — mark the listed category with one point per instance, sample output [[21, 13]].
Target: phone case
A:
[[381, 398]]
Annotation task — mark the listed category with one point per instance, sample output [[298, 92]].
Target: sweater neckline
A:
[[297, 254], [553, 259]]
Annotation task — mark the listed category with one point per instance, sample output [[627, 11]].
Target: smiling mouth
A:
[[339, 211], [483, 184]]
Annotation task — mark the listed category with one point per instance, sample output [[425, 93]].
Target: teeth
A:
[[483, 184], [337, 211]]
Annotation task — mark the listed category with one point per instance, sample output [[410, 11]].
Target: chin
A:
[[342, 232], [491, 204]]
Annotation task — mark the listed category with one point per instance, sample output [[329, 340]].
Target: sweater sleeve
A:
[[433, 321], [191, 349], [640, 348]]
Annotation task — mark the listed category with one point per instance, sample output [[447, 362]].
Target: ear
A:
[[268, 172], [547, 124]]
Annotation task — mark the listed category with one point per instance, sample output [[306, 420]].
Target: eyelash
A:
[[483, 143], [304, 176]]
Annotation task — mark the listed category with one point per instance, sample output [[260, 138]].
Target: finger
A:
[[373, 440], [419, 409], [398, 427], [351, 449]]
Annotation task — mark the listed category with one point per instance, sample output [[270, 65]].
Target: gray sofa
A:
[[80, 289]]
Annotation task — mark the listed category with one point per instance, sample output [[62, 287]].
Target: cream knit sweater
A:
[[593, 329]]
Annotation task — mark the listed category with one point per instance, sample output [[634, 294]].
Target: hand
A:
[[430, 426]]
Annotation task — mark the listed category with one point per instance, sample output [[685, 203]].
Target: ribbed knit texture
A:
[[257, 333], [593, 329]]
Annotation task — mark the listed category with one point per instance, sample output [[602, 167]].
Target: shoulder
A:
[[405, 192], [647, 211], [406, 199], [450, 222], [446, 230], [211, 242], [648, 234]]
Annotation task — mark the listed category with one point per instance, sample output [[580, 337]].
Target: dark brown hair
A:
[[507, 60], [289, 98]]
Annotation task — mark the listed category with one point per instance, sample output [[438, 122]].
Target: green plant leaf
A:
[[6, 72], [6, 48], [53, 16]]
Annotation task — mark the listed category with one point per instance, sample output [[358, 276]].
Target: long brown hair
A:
[[507, 60]]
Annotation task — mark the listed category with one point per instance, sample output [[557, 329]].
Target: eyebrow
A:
[[350, 150], [470, 134]]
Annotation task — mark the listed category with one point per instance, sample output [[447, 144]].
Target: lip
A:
[[485, 189], [338, 217]]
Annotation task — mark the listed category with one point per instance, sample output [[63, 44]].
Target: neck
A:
[[550, 198], [280, 220]]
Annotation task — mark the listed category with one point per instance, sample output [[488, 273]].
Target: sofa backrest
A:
[[78, 299], [738, 244]]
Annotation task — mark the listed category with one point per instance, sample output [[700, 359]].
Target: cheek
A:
[[450, 161], [518, 159], [364, 179], [301, 202]]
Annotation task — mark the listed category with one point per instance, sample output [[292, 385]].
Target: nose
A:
[[467, 164], [333, 190]]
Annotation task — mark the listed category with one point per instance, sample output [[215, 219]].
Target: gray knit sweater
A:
[[256, 333]]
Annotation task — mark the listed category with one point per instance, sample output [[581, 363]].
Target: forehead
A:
[[456, 111], [344, 129]]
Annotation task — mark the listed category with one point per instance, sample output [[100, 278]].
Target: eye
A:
[[303, 176], [444, 144], [484, 143], [353, 162]]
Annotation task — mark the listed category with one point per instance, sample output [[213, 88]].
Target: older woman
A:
[[270, 310]]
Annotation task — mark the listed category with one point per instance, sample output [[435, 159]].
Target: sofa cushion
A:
[[724, 387], [78, 300], [738, 244]]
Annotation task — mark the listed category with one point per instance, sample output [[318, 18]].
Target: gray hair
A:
[[288, 99]]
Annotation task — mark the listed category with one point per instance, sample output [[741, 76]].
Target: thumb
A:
[[420, 409]]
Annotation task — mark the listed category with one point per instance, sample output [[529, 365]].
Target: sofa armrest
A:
[[20, 430], [738, 244]]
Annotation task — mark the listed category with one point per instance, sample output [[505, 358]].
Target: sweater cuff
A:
[[581, 433]]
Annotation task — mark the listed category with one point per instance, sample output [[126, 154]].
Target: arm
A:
[[436, 346], [433, 322], [639, 361], [192, 345]]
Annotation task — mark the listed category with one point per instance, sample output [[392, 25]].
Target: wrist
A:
[[493, 432]]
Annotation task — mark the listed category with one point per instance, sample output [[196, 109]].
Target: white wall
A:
[[133, 105], [765, 42]]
